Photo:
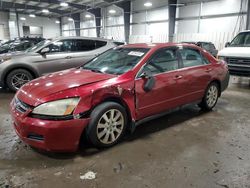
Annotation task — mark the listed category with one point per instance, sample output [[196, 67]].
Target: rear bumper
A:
[[56, 136]]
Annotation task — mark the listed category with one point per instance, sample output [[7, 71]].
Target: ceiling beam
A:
[[74, 5], [10, 5]]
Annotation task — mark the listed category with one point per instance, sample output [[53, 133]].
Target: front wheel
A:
[[107, 125], [17, 78], [211, 97]]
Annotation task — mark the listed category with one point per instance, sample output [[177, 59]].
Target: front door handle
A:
[[177, 77], [208, 70], [68, 57]]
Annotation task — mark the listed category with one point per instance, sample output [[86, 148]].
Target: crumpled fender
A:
[[123, 93]]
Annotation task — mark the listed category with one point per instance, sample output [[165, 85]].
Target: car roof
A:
[[157, 45], [90, 38]]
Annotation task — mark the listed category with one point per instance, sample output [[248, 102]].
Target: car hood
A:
[[12, 54], [235, 52], [32, 92]]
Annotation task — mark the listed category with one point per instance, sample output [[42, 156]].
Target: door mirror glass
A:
[[45, 50], [149, 81], [227, 44], [149, 84]]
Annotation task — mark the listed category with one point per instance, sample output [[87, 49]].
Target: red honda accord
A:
[[115, 92]]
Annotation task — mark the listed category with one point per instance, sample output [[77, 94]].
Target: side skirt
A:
[[134, 123]]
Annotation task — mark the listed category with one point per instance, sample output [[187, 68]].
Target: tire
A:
[[17, 78], [102, 133], [210, 97]]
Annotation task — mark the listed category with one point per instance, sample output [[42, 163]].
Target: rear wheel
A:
[[107, 124], [17, 78], [211, 97]]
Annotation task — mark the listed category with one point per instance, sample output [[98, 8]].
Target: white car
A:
[[237, 54]]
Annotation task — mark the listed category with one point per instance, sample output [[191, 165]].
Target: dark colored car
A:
[[115, 91], [18, 45], [209, 46]]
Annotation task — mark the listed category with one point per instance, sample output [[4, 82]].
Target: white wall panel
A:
[[187, 26], [50, 28], [4, 19], [223, 7], [189, 11], [224, 24]]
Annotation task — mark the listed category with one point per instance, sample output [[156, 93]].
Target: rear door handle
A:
[[177, 77], [208, 70], [68, 57]]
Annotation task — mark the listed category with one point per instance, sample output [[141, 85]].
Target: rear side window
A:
[[119, 43], [191, 57], [100, 44], [83, 45]]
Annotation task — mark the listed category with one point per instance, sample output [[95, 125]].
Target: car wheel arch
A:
[[121, 102], [219, 84], [27, 68]]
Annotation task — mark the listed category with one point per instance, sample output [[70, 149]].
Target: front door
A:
[[169, 87]]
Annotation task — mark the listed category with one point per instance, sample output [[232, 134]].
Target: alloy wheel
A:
[[110, 126], [212, 95], [19, 79]]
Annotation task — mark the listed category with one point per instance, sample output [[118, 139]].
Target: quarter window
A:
[[191, 57], [100, 44], [163, 61]]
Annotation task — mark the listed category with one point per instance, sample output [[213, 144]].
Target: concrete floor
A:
[[187, 148]]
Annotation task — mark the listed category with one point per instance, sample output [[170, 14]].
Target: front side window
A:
[[60, 46], [191, 57], [163, 61], [116, 61]]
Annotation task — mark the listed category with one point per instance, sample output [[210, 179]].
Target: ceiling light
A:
[[112, 11], [70, 19], [64, 4], [45, 11], [148, 4], [57, 22], [87, 16], [178, 4], [32, 15], [22, 18]]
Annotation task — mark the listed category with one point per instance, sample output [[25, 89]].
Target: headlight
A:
[[61, 107], [5, 59]]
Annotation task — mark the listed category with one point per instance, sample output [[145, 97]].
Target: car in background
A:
[[18, 45], [237, 54], [209, 46], [49, 56], [115, 92]]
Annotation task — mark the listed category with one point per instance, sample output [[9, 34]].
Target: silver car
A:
[[49, 56]]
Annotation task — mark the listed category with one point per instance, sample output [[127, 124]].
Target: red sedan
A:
[[113, 92]]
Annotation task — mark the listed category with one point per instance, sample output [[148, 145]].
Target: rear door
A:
[[197, 70], [83, 50]]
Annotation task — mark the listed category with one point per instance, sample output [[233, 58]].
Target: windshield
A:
[[38, 45], [241, 40], [116, 61]]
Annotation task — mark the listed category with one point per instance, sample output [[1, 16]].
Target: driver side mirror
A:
[[227, 44], [44, 51], [149, 81]]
